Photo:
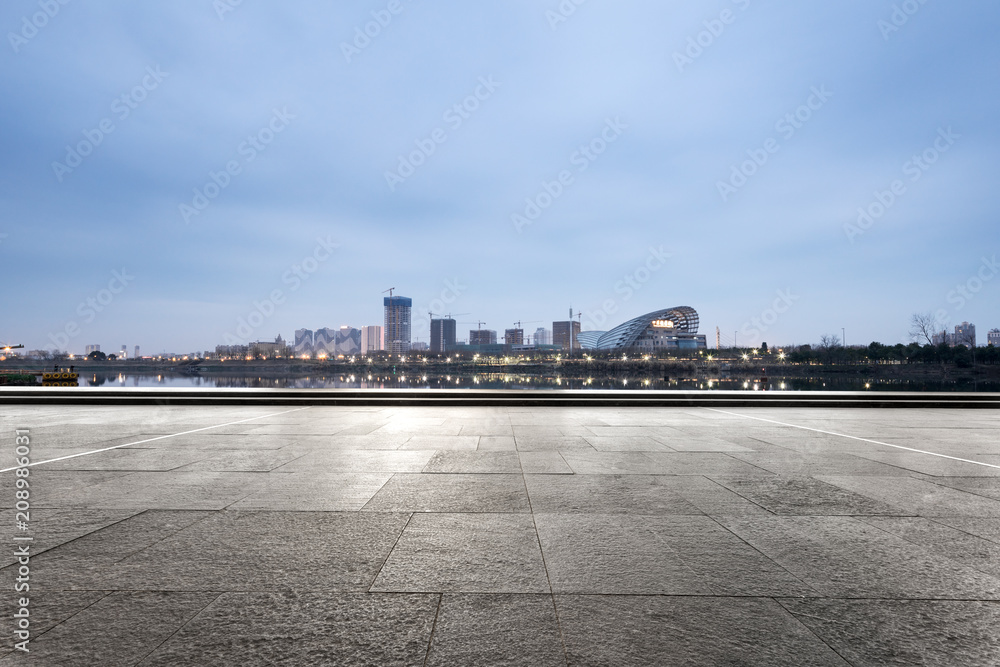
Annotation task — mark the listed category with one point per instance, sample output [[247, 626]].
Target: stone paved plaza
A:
[[506, 536]]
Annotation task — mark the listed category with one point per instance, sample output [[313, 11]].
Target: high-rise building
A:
[[303, 346], [91, 348], [348, 341], [561, 332], [418, 346], [513, 336], [993, 337], [325, 342], [371, 339], [443, 334], [135, 355], [542, 336], [397, 323], [124, 352], [482, 337], [965, 334]]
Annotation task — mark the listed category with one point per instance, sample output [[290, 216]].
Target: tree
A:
[[828, 342], [923, 326], [97, 355]]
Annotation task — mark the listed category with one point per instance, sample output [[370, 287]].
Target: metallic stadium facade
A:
[[670, 328]]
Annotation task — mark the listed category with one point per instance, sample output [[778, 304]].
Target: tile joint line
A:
[[161, 437], [854, 437]]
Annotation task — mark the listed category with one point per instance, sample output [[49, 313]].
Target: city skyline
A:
[[618, 158]]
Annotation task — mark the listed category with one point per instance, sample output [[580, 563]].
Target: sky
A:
[[180, 175]]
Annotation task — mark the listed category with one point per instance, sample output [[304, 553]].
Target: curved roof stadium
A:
[[588, 339], [678, 323]]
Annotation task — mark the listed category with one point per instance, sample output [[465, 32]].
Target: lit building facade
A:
[[303, 346], [325, 342], [397, 323], [267, 350], [965, 334], [993, 337], [348, 341], [232, 351], [542, 336], [667, 329]]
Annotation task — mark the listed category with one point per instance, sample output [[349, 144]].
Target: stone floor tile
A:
[[119, 629], [605, 494], [473, 462], [873, 633], [451, 493], [304, 628], [468, 553], [636, 631], [803, 496], [490, 630]]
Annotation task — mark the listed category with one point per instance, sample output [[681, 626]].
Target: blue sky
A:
[[271, 158]]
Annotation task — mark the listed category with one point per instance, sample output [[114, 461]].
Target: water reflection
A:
[[509, 381]]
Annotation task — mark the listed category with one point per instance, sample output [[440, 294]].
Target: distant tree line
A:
[[914, 353]]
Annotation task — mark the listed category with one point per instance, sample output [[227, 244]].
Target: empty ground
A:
[[506, 536]]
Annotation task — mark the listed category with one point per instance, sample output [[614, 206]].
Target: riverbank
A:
[[576, 368]]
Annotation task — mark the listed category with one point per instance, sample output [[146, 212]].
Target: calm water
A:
[[499, 381]]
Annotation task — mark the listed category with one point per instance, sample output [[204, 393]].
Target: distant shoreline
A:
[[575, 368]]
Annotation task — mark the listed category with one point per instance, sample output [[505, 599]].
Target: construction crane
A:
[[395, 328]]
